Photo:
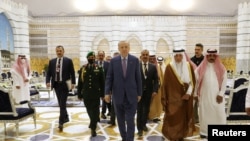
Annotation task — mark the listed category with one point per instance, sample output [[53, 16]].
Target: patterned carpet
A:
[[48, 99], [44, 102], [75, 130]]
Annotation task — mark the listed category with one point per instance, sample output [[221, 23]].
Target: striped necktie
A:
[[124, 66]]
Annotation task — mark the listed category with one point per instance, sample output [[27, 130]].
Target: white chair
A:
[[240, 80], [34, 92], [235, 108], [11, 113]]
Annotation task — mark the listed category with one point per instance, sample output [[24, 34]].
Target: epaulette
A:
[[83, 71]]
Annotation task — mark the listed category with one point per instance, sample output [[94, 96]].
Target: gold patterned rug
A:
[[53, 103], [75, 130]]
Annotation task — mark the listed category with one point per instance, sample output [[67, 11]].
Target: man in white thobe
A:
[[20, 73], [211, 77]]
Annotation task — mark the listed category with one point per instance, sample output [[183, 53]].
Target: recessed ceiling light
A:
[[181, 5], [86, 5]]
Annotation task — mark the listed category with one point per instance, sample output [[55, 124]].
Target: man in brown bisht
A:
[[177, 98]]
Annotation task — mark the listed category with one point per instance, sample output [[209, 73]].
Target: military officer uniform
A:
[[91, 89]]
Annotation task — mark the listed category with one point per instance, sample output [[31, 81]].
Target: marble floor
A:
[[75, 130]]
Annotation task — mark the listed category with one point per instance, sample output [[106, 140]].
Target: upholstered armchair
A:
[[4, 76], [11, 112], [240, 80], [235, 109], [34, 92]]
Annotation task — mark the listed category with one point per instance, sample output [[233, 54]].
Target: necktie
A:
[[145, 70], [124, 66], [58, 70]]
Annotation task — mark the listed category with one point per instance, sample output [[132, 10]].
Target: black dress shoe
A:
[[156, 120], [140, 133], [93, 133], [103, 116], [145, 128], [111, 122], [203, 136], [60, 127], [181, 139], [66, 120]]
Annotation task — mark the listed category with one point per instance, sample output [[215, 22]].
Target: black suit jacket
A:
[[68, 71], [150, 84], [105, 66]]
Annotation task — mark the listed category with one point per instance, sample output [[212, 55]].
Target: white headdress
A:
[[182, 67]]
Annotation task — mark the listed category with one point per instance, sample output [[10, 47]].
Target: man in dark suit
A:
[[60, 71], [197, 59], [103, 64], [124, 81], [150, 87], [91, 89]]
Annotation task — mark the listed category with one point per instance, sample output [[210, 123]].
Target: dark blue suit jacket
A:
[[115, 81], [68, 71], [105, 66]]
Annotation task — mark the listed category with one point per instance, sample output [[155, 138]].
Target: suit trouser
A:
[[105, 105], [125, 113], [112, 113], [61, 90], [93, 110], [143, 110]]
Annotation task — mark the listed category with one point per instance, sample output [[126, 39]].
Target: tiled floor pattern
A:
[[75, 130]]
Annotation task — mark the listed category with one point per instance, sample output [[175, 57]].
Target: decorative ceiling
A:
[[42, 8]]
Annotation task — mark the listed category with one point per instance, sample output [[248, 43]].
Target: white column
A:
[[243, 38]]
